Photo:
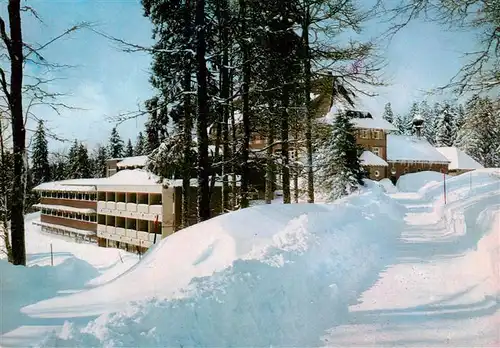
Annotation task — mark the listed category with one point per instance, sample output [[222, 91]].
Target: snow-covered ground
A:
[[77, 266], [387, 266], [444, 288]]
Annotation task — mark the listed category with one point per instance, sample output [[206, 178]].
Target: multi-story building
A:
[[387, 155], [126, 210], [131, 209]]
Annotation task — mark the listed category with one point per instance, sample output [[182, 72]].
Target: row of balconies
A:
[[130, 210], [124, 235]]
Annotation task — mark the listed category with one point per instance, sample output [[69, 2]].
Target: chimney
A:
[[418, 123]]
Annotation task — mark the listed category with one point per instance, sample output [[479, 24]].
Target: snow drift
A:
[[267, 275], [413, 182], [20, 286]]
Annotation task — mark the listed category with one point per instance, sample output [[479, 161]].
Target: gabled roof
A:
[[360, 119], [403, 148], [369, 159], [459, 159]]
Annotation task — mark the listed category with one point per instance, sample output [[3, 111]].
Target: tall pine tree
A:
[[72, 164], [129, 150], [84, 164], [139, 149], [408, 120], [40, 169], [388, 114], [480, 133], [428, 131], [115, 147], [340, 168], [99, 162], [444, 127]]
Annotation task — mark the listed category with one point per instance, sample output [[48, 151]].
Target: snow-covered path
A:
[[440, 285], [443, 287]]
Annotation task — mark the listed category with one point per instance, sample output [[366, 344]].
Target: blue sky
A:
[[107, 81]]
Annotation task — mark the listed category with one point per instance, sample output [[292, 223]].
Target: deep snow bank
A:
[[267, 275], [413, 182], [467, 184], [20, 286]]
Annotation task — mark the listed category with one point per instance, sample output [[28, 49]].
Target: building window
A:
[[364, 134], [377, 173], [376, 151], [376, 134]]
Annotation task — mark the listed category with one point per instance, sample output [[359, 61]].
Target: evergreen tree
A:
[[428, 131], [58, 166], [408, 120], [31, 197], [115, 145], [84, 164], [480, 133], [72, 163], [40, 170], [326, 19], [458, 123], [340, 168], [444, 129], [400, 125], [99, 162], [388, 114], [139, 149], [172, 76], [129, 150]]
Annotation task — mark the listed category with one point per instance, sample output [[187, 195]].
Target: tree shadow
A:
[[400, 319], [428, 312]]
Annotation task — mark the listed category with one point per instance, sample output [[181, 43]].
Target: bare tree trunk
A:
[[245, 170], [285, 155], [216, 156], [186, 170], [270, 177], [187, 125], [307, 95], [4, 197], [234, 143], [15, 49], [296, 167], [225, 97], [202, 121]]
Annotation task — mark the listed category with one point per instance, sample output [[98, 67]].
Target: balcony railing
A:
[[130, 210], [139, 238]]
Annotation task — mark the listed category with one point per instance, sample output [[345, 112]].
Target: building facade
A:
[[130, 210], [387, 155]]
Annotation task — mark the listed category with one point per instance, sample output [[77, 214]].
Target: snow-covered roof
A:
[[418, 117], [365, 122], [136, 161], [76, 185], [126, 177], [459, 159], [373, 123], [402, 148], [132, 177], [369, 159], [64, 208]]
